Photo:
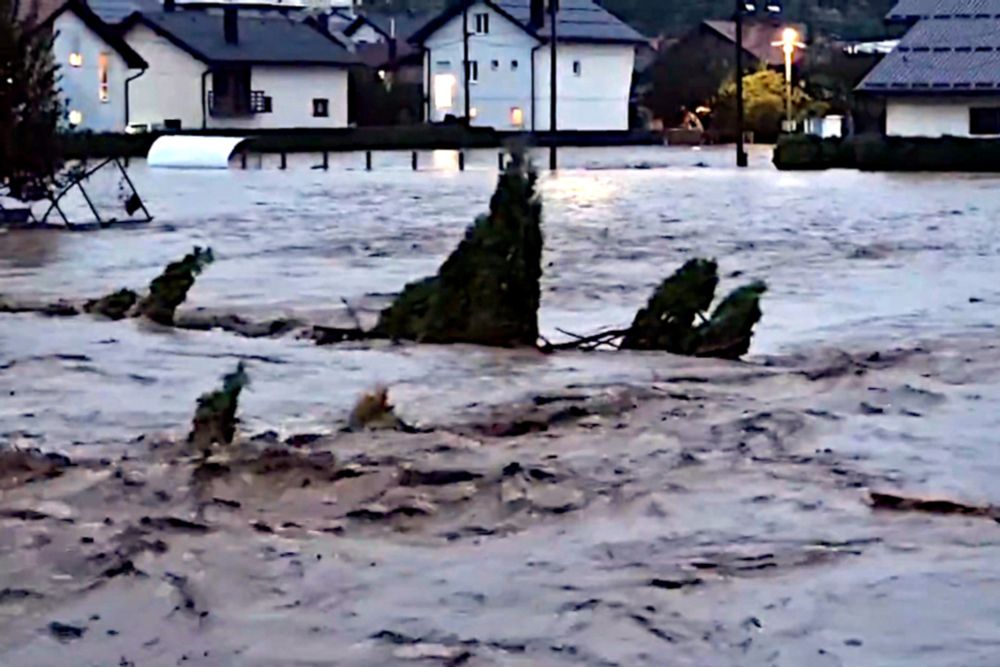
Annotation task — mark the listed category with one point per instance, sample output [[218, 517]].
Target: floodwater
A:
[[858, 262]]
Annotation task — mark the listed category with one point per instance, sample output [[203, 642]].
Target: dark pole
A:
[[741, 154], [465, 56], [553, 88]]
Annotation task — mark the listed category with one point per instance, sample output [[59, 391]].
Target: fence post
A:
[[461, 160], [500, 164], [368, 160], [326, 160], [284, 160], [414, 161], [243, 160]]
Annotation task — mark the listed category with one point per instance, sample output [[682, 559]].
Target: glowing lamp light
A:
[[76, 59], [473, 112], [75, 118]]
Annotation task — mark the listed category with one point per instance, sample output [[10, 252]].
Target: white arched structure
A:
[[193, 152]]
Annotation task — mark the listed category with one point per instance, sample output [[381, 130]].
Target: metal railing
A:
[[257, 102]]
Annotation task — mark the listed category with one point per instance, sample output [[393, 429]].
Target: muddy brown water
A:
[[719, 521]]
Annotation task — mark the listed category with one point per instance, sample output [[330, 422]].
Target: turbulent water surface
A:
[[719, 519]]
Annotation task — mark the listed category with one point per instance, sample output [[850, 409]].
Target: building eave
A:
[[100, 28]]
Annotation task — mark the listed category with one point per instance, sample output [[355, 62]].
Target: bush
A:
[[878, 153], [764, 105]]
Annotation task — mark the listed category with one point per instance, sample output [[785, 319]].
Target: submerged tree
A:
[[215, 417], [674, 320], [170, 288], [29, 106], [488, 291]]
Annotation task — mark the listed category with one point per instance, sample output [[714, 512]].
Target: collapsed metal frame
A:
[[77, 180]]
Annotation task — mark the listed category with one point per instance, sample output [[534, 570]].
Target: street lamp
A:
[[744, 8], [789, 42]]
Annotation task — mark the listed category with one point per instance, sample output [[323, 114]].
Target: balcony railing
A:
[[256, 103]]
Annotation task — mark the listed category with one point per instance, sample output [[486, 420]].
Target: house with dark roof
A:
[[943, 78], [759, 41], [508, 69], [96, 66], [231, 70]]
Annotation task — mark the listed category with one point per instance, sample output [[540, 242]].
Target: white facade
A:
[[171, 90], [510, 74], [91, 76], [934, 117], [171, 87]]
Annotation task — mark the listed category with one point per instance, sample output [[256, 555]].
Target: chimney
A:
[[231, 25], [537, 13], [169, 5]]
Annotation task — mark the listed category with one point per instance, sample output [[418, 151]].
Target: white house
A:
[[96, 68], [943, 78], [227, 70], [509, 65]]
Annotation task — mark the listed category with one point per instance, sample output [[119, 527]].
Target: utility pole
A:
[[468, 65], [741, 153], [553, 88], [744, 7]]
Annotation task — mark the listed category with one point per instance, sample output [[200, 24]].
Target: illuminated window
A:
[[517, 117], [102, 77], [76, 59], [75, 118], [444, 91]]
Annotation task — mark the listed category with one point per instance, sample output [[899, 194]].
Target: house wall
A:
[[80, 86], [497, 91], [933, 116], [597, 99], [292, 90], [171, 87]]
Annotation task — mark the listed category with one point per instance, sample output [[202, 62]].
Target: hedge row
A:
[[878, 153]]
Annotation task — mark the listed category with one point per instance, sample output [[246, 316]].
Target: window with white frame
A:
[[482, 24], [473, 71]]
